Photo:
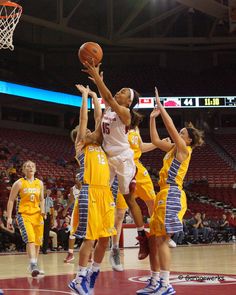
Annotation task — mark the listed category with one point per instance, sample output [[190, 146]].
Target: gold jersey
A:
[[28, 200], [173, 171], [94, 168], [135, 141]]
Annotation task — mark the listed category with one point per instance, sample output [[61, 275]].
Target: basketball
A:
[[90, 51]]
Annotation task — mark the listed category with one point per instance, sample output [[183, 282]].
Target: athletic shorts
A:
[[169, 209], [124, 167], [31, 228], [144, 186], [96, 213]]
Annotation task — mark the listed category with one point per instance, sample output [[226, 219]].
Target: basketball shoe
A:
[[143, 245], [115, 260], [79, 285], [151, 288], [91, 279]]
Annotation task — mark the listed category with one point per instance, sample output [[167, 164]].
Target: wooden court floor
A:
[[198, 269]]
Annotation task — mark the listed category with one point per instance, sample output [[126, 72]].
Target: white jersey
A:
[[115, 134], [75, 192]]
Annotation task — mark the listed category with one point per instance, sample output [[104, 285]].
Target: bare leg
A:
[[135, 210], [119, 217], [100, 249]]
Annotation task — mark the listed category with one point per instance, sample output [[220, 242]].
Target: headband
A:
[[131, 94], [191, 135]]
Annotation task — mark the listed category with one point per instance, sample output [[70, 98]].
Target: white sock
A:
[[115, 246], [95, 266], [155, 275], [33, 260], [165, 277], [71, 251], [81, 271], [140, 228]]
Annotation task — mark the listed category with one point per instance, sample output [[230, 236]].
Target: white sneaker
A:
[[115, 260], [167, 290], [172, 243], [79, 286], [151, 288]]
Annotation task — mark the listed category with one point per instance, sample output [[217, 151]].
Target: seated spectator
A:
[[206, 223], [63, 234], [196, 228], [223, 229], [10, 237], [232, 225], [3, 177], [60, 203]]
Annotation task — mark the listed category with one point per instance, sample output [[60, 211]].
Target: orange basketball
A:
[[90, 51]]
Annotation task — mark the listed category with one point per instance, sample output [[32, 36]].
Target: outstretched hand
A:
[[91, 70], [82, 89], [155, 113], [101, 76], [158, 101]]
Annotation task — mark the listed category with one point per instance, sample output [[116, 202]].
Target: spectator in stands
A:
[[170, 204], [63, 233], [3, 177], [206, 223], [60, 203], [30, 212], [11, 172], [223, 223], [232, 225], [9, 235], [224, 229], [197, 228]]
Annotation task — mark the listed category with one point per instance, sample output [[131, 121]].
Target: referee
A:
[[47, 222]]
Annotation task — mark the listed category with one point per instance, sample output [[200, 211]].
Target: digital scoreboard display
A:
[[185, 102], [144, 102]]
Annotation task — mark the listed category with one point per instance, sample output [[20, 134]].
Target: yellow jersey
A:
[[94, 168], [28, 200], [135, 141], [173, 171]]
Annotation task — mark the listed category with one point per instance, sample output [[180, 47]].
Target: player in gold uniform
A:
[[144, 187], [30, 212], [170, 204], [96, 204]]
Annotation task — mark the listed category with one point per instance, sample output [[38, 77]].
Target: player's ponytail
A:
[[196, 135]]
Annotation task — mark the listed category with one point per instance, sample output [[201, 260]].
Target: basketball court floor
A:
[[196, 270]]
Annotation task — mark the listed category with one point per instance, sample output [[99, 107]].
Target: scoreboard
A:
[[144, 102], [186, 102]]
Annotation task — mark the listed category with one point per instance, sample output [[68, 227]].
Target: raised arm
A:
[[83, 119], [13, 194], [121, 111], [162, 144], [97, 108], [174, 134]]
